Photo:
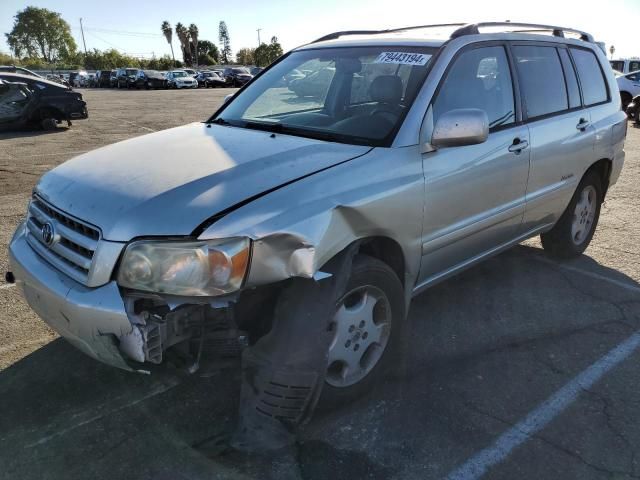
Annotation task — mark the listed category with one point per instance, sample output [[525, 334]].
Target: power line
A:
[[124, 32]]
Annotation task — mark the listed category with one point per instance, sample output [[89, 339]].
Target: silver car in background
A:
[[295, 229]]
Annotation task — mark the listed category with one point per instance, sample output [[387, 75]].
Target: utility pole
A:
[[258, 30], [83, 43]]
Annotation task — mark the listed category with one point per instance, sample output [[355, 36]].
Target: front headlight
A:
[[195, 268]]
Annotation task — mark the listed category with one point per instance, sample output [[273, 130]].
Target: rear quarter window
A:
[[594, 87]]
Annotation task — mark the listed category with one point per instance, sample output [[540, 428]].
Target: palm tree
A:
[[183, 36], [168, 34], [193, 33]]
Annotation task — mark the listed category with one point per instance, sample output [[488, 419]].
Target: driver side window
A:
[[480, 78]]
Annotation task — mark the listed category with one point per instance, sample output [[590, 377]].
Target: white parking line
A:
[[480, 463], [161, 389], [587, 273]]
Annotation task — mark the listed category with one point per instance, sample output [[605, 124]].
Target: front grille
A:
[[72, 244]]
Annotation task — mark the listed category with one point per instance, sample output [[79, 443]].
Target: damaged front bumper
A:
[[92, 319], [108, 324]]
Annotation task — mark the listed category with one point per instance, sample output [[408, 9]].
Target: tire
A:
[[625, 98], [574, 230], [47, 122], [383, 287]]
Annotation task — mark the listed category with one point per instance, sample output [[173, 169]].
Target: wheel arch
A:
[[603, 169]]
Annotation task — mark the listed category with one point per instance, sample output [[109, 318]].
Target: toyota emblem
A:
[[48, 234]]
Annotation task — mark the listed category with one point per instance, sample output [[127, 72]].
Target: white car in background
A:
[[180, 79], [629, 86]]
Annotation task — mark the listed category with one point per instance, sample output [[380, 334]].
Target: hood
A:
[[170, 182]]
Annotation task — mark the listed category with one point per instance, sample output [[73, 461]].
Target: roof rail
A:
[[474, 28], [466, 29], [334, 35]]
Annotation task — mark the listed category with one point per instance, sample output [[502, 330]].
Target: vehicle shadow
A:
[[65, 415], [24, 133]]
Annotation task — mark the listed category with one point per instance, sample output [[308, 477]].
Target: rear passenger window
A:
[[480, 78], [594, 89], [541, 80], [570, 76], [633, 66]]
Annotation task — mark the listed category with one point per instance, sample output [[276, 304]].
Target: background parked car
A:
[[113, 78], [48, 103], [313, 85], [57, 78], [633, 110], [236, 76], [191, 72], [102, 79], [629, 86], [180, 79], [150, 79], [126, 77], [255, 70], [210, 79], [294, 74], [626, 65]]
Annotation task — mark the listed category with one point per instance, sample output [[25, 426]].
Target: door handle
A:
[[583, 124], [518, 145]]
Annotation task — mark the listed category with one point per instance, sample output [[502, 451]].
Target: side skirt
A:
[[439, 277]]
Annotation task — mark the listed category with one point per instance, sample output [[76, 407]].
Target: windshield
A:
[[131, 71], [240, 71], [352, 95], [179, 74]]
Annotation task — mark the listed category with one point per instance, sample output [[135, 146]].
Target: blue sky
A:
[[134, 26]]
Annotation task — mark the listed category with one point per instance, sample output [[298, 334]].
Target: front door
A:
[[474, 195]]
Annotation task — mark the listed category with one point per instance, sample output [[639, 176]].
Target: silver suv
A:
[[293, 228]]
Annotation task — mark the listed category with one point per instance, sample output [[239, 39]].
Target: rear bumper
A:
[[92, 319]]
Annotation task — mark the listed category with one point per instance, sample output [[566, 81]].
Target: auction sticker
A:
[[403, 58]]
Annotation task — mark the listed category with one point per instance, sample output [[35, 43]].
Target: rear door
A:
[[562, 137], [475, 194]]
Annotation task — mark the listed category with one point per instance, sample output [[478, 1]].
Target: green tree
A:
[[7, 59], [168, 34], [38, 32], [225, 43], [193, 43], [245, 56], [208, 53], [267, 54], [183, 36]]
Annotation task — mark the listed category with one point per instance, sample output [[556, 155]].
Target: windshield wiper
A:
[[267, 127], [220, 121]]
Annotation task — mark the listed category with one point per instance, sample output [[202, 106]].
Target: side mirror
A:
[[464, 126], [228, 97]]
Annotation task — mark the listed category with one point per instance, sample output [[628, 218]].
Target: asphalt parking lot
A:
[[521, 367]]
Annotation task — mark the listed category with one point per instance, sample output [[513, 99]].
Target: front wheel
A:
[[575, 228], [368, 329]]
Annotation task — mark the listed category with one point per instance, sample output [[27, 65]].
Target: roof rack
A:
[[334, 35], [467, 29], [474, 28]]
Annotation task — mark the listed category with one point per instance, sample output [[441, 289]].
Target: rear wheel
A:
[[575, 228], [368, 326]]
